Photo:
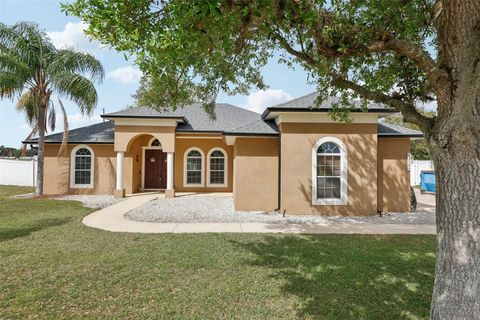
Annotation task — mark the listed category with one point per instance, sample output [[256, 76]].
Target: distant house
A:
[[292, 158]]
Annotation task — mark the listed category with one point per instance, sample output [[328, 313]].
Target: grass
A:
[[52, 266]]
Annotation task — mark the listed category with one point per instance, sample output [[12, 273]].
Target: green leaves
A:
[[76, 88], [191, 50]]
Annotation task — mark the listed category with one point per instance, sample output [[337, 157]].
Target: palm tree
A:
[[28, 106], [32, 69]]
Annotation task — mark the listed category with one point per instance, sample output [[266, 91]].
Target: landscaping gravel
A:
[[220, 209], [91, 201]]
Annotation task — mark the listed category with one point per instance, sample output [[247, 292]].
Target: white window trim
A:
[[202, 175], [343, 173], [225, 169], [72, 168], [148, 147]]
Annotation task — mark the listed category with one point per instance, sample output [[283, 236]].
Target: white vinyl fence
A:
[[416, 166], [18, 172]]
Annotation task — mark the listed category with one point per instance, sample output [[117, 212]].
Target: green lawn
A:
[[52, 266]]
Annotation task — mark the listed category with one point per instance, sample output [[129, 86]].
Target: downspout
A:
[[279, 189]]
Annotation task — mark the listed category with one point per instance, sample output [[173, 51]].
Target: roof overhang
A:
[[322, 117], [273, 112], [396, 135], [68, 142], [179, 119], [147, 121]]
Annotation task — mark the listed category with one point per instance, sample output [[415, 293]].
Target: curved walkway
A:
[[112, 219]]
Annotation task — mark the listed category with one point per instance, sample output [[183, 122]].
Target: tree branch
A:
[[408, 110], [299, 54], [420, 57]]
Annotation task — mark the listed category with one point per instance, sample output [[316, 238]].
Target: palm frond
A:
[[11, 85], [52, 117], [63, 146], [77, 88], [76, 62], [28, 104], [11, 63], [27, 41]]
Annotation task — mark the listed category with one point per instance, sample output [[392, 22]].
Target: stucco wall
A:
[[297, 141], [57, 171], [393, 178], [256, 174], [205, 143], [133, 169], [124, 135]]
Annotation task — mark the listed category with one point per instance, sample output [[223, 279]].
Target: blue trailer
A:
[[427, 181]]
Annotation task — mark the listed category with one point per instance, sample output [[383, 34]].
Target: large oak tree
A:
[[397, 52]]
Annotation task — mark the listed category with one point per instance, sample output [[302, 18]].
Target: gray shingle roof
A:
[[307, 103], [230, 120], [258, 127], [145, 112], [103, 132], [196, 119], [387, 129]]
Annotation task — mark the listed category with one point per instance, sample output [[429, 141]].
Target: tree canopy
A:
[[193, 49]]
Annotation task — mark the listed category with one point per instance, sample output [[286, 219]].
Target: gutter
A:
[[107, 116], [276, 109]]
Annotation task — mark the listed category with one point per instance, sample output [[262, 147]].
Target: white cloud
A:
[[125, 75], [73, 36], [258, 101]]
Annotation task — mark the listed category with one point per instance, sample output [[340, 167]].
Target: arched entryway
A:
[[145, 164]]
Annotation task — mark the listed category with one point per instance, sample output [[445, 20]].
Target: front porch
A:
[[144, 164]]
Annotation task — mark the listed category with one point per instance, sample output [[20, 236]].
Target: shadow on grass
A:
[[17, 232], [350, 277]]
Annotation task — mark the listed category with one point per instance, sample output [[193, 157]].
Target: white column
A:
[[120, 158], [169, 170]]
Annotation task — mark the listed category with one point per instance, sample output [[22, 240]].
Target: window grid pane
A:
[[83, 167], [328, 174], [217, 167], [194, 167]]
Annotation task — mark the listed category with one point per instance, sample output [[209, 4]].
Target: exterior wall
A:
[[133, 170], [393, 177], [57, 170], [256, 174], [124, 135], [205, 143], [297, 141]]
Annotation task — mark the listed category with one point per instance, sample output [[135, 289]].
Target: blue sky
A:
[[121, 75]]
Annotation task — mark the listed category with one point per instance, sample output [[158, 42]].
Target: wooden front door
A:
[[155, 169]]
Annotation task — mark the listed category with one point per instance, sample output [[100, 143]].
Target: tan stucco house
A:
[[291, 158]]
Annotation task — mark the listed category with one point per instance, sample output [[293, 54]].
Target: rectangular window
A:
[[194, 170], [83, 170], [217, 170], [328, 177]]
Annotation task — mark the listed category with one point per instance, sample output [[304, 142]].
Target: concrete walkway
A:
[[112, 219]]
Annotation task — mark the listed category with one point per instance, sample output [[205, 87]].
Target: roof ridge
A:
[[292, 100]]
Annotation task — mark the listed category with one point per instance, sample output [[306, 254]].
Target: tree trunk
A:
[[454, 143], [456, 292], [41, 148]]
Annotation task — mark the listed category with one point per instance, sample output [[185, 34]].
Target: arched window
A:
[[329, 172], [81, 163], [217, 168], [154, 143], [193, 164]]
